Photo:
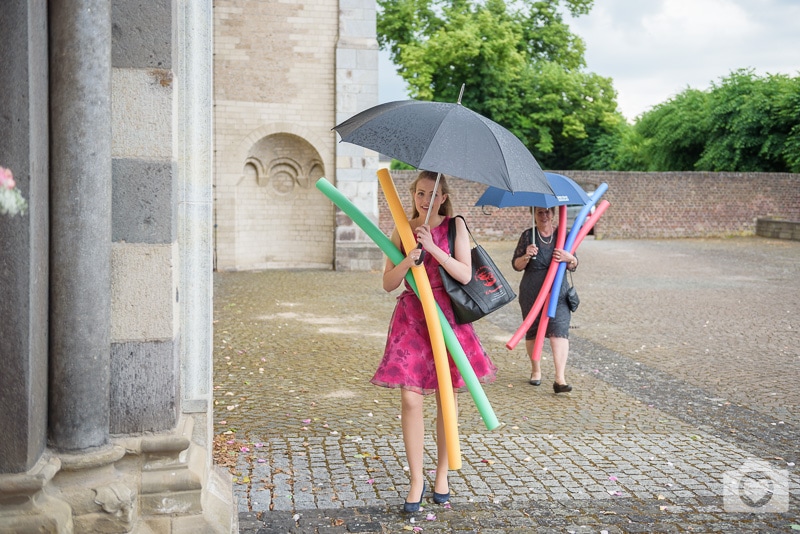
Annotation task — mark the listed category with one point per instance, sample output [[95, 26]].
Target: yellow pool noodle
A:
[[446, 395]]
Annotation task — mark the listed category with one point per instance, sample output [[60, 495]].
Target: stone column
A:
[[80, 262], [195, 95], [23, 238]]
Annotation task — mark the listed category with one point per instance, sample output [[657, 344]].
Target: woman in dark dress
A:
[[534, 252]]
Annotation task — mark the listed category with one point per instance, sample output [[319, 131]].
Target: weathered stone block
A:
[[144, 201]]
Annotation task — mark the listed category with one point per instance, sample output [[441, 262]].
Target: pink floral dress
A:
[[408, 359]]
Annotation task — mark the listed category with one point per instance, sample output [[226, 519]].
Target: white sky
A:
[[654, 49]]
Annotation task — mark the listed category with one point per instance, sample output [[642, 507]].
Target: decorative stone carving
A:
[[284, 176], [254, 171], [117, 500]]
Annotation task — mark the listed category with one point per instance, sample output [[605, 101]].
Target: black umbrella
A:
[[449, 139]]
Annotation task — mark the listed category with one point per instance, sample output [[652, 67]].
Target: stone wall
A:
[[272, 132], [284, 75], [642, 205], [107, 402], [778, 228], [144, 261]]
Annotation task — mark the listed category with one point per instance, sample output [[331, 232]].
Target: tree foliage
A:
[[742, 124], [754, 124], [521, 66], [673, 134]]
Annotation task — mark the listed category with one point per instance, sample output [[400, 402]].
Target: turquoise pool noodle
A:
[[394, 254]]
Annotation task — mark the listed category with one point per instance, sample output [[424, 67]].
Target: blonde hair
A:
[[446, 208]]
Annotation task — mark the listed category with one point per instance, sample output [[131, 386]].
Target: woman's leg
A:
[[442, 464], [536, 368], [560, 348], [413, 437]]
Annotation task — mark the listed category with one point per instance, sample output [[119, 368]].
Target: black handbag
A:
[[572, 295], [486, 292]]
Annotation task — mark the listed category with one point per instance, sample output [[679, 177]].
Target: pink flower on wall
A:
[[11, 201], [6, 178]]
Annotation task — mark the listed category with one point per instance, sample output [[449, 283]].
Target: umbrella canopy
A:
[[566, 192], [449, 139]]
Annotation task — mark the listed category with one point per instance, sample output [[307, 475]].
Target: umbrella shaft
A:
[[433, 197]]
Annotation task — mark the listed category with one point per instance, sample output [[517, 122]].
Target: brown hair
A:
[[551, 209], [446, 208]]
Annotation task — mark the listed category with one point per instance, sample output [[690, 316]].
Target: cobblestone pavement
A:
[[684, 357]]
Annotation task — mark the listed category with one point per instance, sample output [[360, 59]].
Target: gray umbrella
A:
[[449, 139]]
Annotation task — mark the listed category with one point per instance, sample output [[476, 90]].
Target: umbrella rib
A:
[[500, 149]]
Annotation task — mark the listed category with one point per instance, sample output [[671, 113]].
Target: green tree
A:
[[522, 67], [742, 124], [674, 133], [621, 149], [790, 115], [755, 124]]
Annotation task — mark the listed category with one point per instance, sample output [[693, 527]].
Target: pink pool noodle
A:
[[548, 282], [536, 354]]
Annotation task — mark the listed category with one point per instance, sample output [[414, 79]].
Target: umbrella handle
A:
[[428, 215], [421, 255]]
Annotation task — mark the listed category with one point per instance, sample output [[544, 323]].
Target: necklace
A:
[[542, 239]]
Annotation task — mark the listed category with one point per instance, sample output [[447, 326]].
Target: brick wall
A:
[[643, 205]]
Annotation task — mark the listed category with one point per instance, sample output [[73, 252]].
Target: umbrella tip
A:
[[461, 93]]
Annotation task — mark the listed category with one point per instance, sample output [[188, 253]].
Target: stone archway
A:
[[282, 220]]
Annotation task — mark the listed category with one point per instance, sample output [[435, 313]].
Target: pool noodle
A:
[[541, 330], [569, 245], [395, 256], [546, 285], [591, 220], [446, 396]]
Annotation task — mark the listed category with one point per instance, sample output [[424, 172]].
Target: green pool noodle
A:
[[395, 256]]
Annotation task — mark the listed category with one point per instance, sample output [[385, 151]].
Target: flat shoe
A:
[[441, 498], [561, 388], [535, 382], [411, 507]]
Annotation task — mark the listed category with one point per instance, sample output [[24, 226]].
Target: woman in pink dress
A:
[[408, 359]]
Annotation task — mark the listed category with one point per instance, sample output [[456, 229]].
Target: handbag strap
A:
[[451, 232], [570, 278]]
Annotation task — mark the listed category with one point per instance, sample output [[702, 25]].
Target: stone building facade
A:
[[285, 74], [105, 282], [155, 142]]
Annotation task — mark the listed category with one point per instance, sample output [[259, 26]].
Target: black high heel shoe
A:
[[561, 388], [441, 498], [411, 507]]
